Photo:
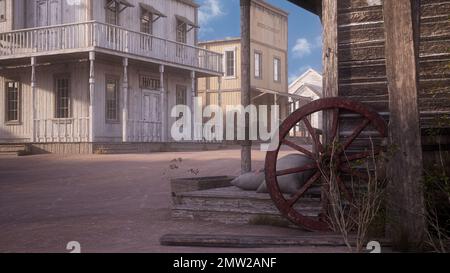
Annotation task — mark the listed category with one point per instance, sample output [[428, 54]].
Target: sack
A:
[[291, 183], [249, 181]]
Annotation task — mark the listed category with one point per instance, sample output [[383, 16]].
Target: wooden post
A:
[[219, 94], [91, 95], [163, 105], [125, 101], [406, 226], [330, 58], [246, 153], [33, 99]]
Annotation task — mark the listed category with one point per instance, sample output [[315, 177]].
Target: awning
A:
[[186, 21], [124, 3], [151, 10], [281, 94]]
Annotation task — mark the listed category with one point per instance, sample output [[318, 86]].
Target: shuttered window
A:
[[12, 101], [112, 99], [62, 95]]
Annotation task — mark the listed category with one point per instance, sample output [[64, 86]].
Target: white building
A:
[[91, 71], [308, 87]]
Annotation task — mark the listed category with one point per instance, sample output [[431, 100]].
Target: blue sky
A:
[[221, 18]]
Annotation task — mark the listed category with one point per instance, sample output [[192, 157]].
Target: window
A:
[[62, 87], [146, 22], [181, 95], [146, 82], [2, 10], [181, 32], [276, 70], [12, 101], [230, 70], [112, 12], [258, 65], [112, 99]]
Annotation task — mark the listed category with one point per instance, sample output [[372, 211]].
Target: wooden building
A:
[[94, 71], [393, 55], [269, 63]]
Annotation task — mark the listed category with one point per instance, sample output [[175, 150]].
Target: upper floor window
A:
[[112, 12], [62, 95], [277, 69], [146, 22], [230, 63], [12, 101], [258, 65], [2, 10], [181, 32], [112, 99]]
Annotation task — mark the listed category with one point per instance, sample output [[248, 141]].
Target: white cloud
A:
[[209, 10], [302, 48]]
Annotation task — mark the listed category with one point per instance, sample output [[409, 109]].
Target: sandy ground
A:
[[114, 203]]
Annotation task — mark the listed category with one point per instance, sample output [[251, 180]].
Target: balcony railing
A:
[[96, 35], [62, 130]]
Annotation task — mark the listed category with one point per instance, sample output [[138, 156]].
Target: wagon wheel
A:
[[342, 156]]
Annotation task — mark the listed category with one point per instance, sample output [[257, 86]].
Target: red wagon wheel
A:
[[362, 117]]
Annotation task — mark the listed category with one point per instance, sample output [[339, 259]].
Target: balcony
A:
[[96, 36]]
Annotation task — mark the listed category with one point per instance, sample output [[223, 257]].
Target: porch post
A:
[[196, 135], [91, 95], [33, 99], [164, 105], [125, 101], [219, 99]]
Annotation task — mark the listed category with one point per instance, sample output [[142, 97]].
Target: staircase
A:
[[234, 206], [11, 149]]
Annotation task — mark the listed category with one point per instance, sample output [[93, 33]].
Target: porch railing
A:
[[62, 130], [144, 131], [95, 35]]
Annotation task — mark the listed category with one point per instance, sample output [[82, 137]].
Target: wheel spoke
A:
[[298, 148], [356, 133], [335, 124], [313, 133], [307, 167], [305, 188], [359, 156]]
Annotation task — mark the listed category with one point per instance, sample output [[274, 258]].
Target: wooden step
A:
[[11, 148], [234, 206]]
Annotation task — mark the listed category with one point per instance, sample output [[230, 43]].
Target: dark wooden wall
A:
[[362, 63]]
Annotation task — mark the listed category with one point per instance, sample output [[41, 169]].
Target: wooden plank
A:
[[248, 241], [406, 225]]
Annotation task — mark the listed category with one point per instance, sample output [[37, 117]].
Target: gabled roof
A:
[[314, 6], [302, 82]]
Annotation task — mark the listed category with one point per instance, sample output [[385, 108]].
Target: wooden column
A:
[[163, 105], [406, 209], [91, 96], [219, 94], [125, 101], [330, 58], [33, 99], [246, 153]]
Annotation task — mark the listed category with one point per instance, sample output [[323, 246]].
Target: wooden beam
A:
[[246, 153], [406, 210], [125, 101], [91, 96], [330, 59], [33, 99]]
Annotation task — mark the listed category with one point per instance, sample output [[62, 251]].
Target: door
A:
[[151, 113], [48, 13]]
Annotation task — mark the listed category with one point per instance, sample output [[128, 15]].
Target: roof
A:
[[314, 6], [306, 82], [151, 9], [301, 77]]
